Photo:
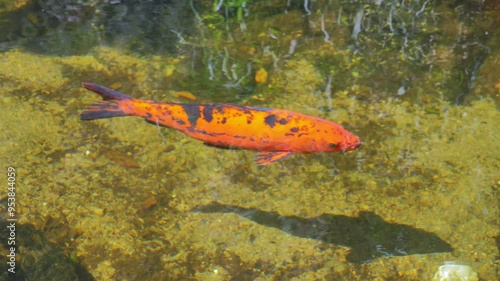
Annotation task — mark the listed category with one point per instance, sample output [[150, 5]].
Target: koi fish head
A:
[[327, 137], [345, 142], [351, 142]]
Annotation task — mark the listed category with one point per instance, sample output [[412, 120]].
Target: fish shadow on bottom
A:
[[368, 235]]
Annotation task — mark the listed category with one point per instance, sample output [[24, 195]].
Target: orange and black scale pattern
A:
[[236, 126], [280, 132]]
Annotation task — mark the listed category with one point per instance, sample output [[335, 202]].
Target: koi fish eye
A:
[[332, 145]]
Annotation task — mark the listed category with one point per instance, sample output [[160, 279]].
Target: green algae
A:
[[431, 163], [425, 162], [38, 76]]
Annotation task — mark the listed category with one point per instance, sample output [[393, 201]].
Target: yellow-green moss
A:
[[29, 73], [431, 165]]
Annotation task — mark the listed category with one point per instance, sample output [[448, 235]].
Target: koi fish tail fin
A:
[[109, 107]]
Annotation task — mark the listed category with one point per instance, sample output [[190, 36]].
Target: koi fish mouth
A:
[[357, 144], [351, 146]]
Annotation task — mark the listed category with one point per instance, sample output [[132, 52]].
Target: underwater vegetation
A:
[[417, 81]]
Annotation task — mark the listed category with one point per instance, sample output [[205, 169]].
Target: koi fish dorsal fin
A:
[[268, 157]]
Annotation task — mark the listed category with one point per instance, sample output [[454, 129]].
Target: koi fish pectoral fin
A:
[[268, 157], [219, 146]]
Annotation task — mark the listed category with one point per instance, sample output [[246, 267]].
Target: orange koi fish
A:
[[274, 133]]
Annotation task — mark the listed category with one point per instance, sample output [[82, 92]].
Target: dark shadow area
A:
[[368, 235], [36, 258], [74, 27]]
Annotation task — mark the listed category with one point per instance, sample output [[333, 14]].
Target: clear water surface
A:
[[120, 199]]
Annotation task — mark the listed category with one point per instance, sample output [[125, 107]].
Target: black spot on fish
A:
[[239, 137], [294, 129], [178, 121], [149, 115], [223, 120], [332, 145], [264, 140], [207, 113], [208, 134], [270, 120], [249, 117], [193, 113], [166, 112]]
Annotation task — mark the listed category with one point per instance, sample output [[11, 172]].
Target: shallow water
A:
[[121, 199]]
